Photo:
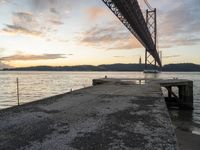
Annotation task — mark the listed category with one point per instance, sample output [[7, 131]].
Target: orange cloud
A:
[[95, 12], [32, 57], [2, 49], [113, 37], [130, 43]]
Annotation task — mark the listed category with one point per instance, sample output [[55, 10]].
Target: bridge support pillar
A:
[[151, 22], [150, 61]]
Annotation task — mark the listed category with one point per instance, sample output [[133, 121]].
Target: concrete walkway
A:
[[117, 115]]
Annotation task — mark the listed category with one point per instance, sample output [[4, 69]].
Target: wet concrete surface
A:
[[187, 131], [117, 115]]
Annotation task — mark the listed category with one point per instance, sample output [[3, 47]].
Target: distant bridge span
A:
[[130, 14]]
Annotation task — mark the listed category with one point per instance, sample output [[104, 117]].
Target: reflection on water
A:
[[38, 85], [185, 121], [152, 75]]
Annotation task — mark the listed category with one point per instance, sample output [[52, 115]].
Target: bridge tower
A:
[[145, 31], [151, 21]]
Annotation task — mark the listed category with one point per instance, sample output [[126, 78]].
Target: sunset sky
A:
[[79, 32]]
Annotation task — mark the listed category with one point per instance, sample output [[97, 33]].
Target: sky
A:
[[86, 32]]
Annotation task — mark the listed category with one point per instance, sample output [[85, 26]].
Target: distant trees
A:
[[186, 67]]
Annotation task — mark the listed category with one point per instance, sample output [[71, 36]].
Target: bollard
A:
[[18, 91]]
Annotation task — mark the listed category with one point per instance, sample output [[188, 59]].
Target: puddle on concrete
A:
[[136, 81]]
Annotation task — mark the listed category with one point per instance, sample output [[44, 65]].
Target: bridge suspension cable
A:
[[148, 5]]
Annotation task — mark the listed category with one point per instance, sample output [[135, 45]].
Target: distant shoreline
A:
[[85, 71], [184, 67]]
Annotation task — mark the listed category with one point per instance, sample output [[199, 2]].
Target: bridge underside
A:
[[130, 14]]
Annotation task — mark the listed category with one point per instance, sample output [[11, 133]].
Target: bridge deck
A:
[[115, 115]]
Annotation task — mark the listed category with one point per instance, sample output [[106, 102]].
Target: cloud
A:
[[95, 12], [179, 24], [13, 29], [56, 22], [130, 43], [53, 10], [171, 56], [169, 42], [40, 19], [2, 49], [23, 23], [57, 7], [4, 1], [32, 57], [112, 36], [63, 40], [119, 56], [3, 65]]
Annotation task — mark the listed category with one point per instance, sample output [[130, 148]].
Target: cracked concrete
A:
[[107, 116]]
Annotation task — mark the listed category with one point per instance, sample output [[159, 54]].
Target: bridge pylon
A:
[[151, 21], [130, 14]]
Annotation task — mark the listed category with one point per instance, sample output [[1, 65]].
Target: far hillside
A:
[[185, 67], [188, 67]]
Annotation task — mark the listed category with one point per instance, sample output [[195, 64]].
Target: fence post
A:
[[18, 91]]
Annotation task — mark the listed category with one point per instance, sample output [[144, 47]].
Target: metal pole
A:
[[18, 91], [155, 32], [147, 21], [145, 59], [155, 28]]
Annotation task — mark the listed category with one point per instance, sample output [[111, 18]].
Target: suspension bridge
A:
[[145, 30], [112, 114]]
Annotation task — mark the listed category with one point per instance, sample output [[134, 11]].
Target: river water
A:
[[37, 85]]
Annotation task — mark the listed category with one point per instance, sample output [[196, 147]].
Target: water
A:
[[37, 85]]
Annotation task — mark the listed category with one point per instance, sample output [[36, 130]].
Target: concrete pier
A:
[[184, 97], [114, 114]]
